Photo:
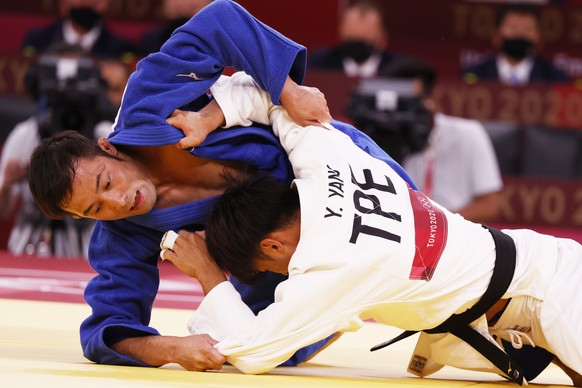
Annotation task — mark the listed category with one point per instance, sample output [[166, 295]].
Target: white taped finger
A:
[[162, 253], [168, 240]]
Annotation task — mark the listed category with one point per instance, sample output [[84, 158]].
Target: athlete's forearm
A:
[[242, 101], [152, 350], [212, 116], [194, 352]]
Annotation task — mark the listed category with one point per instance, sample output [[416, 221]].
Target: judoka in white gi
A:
[[365, 245]]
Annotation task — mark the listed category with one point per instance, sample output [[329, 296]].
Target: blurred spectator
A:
[[72, 92], [458, 167], [115, 75], [517, 41], [176, 13], [81, 24], [362, 51]]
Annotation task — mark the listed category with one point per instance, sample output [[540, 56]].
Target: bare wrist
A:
[[210, 279], [214, 115], [288, 94]]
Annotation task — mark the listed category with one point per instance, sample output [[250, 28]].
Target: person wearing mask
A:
[[362, 51], [81, 24], [517, 41]]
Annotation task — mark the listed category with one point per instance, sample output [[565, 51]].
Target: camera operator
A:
[[451, 159], [390, 111], [71, 93]]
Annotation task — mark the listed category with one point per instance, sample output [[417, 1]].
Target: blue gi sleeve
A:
[[122, 294], [222, 34]]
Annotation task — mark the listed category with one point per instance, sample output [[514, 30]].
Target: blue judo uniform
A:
[[125, 253]]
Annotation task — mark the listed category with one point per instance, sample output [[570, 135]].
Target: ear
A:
[[271, 247], [272, 257], [106, 146]]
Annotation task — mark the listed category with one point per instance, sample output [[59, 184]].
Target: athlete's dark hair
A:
[[522, 9], [247, 211], [52, 169]]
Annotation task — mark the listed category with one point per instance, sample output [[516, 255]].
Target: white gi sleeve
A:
[[242, 102], [220, 313], [308, 307]]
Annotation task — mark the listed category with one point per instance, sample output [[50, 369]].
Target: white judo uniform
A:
[[371, 247]]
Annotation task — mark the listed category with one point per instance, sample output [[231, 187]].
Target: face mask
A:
[[85, 17], [358, 50], [517, 48]]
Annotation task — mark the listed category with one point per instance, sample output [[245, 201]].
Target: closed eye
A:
[[106, 187]]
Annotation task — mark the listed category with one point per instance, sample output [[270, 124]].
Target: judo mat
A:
[[41, 309]]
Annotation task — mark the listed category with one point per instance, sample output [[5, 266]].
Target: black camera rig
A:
[[392, 113], [71, 94]]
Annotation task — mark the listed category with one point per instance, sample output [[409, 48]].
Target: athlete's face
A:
[[105, 188]]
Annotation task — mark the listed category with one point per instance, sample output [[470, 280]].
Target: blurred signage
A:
[[542, 202], [558, 106]]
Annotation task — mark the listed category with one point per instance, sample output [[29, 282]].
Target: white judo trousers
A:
[[552, 319], [555, 322]]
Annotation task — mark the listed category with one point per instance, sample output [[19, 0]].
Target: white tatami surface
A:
[[39, 347]]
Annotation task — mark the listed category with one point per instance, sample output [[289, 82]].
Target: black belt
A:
[[458, 324]]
